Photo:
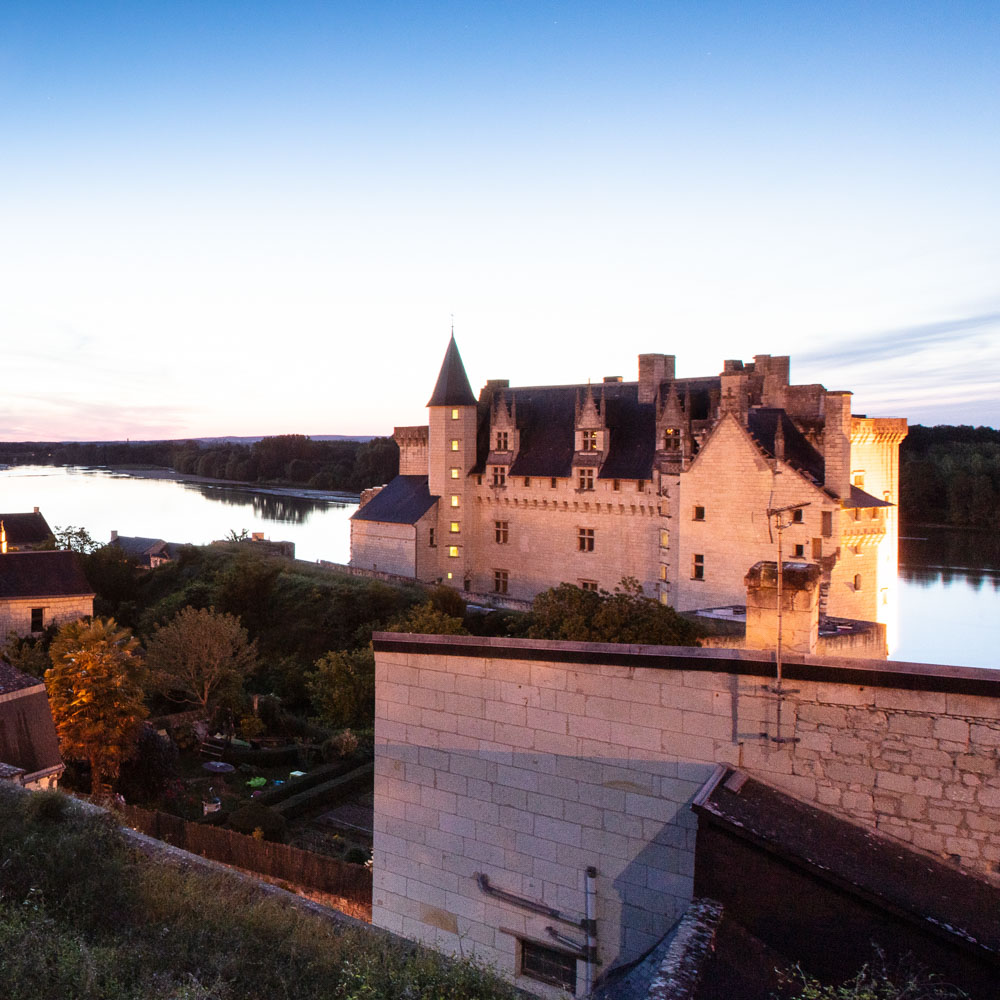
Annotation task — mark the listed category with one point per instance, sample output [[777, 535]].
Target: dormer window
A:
[[502, 441], [672, 439], [588, 441]]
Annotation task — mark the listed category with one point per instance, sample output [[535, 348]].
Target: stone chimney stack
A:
[[837, 443], [654, 369], [114, 534], [799, 607]]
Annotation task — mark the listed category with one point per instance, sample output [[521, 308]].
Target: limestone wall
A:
[[528, 761], [389, 548], [15, 615]]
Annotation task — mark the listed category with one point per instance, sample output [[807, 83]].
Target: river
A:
[[949, 580]]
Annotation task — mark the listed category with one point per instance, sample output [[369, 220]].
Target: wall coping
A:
[[947, 678]]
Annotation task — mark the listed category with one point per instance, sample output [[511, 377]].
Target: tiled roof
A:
[[25, 529], [404, 501], [27, 734], [136, 545], [12, 679], [859, 498], [42, 574], [452, 388], [762, 422]]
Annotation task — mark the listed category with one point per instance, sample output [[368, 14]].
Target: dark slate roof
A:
[[452, 388], [26, 529], [859, 498], [27, 734], [42, 574], [136, 545], [12, 679], [859, 859], [632, 427], [762, 422], [404, 501]]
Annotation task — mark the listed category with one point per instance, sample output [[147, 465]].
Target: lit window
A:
[[859, 479], [586, 479], [797, 515], [453, 551], [664, 538], [455, 527], [449, 577], [547, 965], [500, 531], [454, 444], [501, 441], [590, 585], [588, 441], [671, 439], [698, 567], [454, 500], [454, 413], [431, 538], [499, 475], [663, 572], [664, 597], [454, 473], [585, 539], [699, 514], [500, 581]]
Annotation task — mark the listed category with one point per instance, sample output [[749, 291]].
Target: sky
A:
[[261, 218]]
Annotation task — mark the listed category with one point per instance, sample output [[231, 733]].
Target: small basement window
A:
[[547, 965]]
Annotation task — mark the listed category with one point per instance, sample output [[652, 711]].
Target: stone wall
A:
[[388, 548], [528, 761], [15, 615]]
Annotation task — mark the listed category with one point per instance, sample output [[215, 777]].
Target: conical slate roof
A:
[[452, 387]]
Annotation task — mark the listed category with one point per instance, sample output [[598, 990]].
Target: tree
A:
[[95, 688], [200, 655], [76, 540], [428, 619], [342, 688], [567, 612]]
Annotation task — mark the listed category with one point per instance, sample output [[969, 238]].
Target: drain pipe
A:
[[590, 926]]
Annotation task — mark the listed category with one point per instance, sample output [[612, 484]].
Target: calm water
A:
[[949, 581]]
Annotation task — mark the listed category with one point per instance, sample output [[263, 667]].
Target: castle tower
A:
[[451, 449]]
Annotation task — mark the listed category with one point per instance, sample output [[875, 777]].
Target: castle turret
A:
[[451, 450]]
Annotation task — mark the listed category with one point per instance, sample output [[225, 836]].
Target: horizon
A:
[[220, 218]]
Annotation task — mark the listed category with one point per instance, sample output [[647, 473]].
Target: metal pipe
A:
[[590, 926]]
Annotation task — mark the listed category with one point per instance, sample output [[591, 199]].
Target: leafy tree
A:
[[27, 653], [342, 688], [567, 612], [200, 656], [95, 688], [428, 619], [76, 540]]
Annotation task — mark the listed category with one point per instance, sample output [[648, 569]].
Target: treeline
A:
[[288, 459], [950, 476]]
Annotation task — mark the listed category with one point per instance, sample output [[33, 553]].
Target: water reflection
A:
[[268, 506]]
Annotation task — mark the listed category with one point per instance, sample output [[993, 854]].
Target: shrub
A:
[[357, 856], [255, 816], [341, 745], [46, 807]]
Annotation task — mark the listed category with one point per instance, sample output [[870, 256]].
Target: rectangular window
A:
[[590, 585], [799, 551], [586, 479], [455, 500], [454, 444], [664, 538], [640, 487], [699, 514], [499, 475], [827, 529], [455, 527], [547, 965], [431, 538], [454, 473], [588, 441], [500, 531], [797, 516], [817, 548], [479, 480], [616, 485], [671, 439], [454, 413], [499, 581], [501, 441], [585, 539], [37, 616], [857, 581], [859, 479], [698, 567], [527, 480], [663, 572], [553, 482], [452, 551]]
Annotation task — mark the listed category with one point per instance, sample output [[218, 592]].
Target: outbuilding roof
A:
[[403, 501], [28, 738], [26, 529], [42, 574]]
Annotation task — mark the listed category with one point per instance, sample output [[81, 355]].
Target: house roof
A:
[[452, 388], [404, 501], [26, 529], [12, 679], [137, 545], [858, 498], [858, 859], [42, 574], [27, 734]]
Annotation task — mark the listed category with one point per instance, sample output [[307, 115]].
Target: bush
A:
[[145, 775], [253, 815], [341, 745], [357, 856], [46, 807]]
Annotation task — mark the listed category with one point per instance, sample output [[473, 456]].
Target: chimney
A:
[[654, 369], [114, 534], [36, 510], [837, 443]]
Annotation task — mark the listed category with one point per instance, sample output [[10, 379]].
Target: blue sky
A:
[[250, 218]]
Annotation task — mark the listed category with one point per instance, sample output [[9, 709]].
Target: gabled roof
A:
[[136, 545], [27, 734], [452, 388], [404, 501], [26, 529], [12, 679], [42, 574], [762, 422]]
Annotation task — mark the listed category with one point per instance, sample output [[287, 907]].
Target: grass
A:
[[85, 917]]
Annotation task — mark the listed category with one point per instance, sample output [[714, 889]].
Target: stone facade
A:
[[17, 615], [529, 761], [665, 480]]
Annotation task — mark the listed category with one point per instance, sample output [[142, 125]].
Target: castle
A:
[[668, 480]]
